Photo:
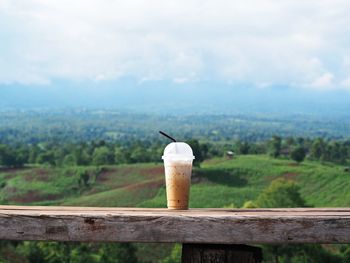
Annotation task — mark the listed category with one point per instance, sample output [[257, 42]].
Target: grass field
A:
[[219, 182], [225, 182]]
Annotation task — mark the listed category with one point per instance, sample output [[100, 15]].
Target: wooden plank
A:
[[220, 226], [219, 211], [208, 253]]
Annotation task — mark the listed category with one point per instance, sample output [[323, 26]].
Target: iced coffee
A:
[[178, 159]]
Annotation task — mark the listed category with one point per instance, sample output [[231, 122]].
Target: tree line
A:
[[112, 153], [314, 149], [92, 153]]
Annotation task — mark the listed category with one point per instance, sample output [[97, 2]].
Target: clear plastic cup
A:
[[178, 158]]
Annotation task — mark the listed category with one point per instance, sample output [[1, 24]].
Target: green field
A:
[[219, 182], [225, 182]]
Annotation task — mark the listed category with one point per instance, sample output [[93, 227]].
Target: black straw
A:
[[166, 135]]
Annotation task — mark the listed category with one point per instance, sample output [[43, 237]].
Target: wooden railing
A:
[[194, 227]]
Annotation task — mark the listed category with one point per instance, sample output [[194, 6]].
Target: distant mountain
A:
[[168, 97]]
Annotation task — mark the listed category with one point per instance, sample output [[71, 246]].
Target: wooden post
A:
[[215, 253]]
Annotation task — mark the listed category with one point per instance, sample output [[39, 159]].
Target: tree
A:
[[32, 252], [50, 252], [102, 155], [290, 141], [196, 148], [275, 146], [139, 155], [338, 153], [175, 255], [298, 154], [119, 155], [317, 149], [67, 252], [280, 193], [11, 158], [83, 253], [117, 253], [69, 160], [83, 177], [300, 141], [82, 156], [242, 147], [46, 157], [59, 155], [34, 151], [326, 153]]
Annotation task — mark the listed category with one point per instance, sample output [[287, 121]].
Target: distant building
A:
[[230, 155]]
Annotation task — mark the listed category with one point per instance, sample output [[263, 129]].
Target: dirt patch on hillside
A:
[[10, 190], [271, 177], [105, 175], [152, 172], [290, 176], [38, 175], [287, 176], [34, 196], [218, 161], [154, 184], [108, 173], [43, 175], [12, 170]]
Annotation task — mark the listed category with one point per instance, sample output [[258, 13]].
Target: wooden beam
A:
[[220, 226]]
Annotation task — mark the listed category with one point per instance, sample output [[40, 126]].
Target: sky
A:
[[299, 45]]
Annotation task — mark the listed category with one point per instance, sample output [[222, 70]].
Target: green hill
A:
[[219, 182]]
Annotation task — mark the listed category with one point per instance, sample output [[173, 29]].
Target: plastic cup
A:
[[178, 158]]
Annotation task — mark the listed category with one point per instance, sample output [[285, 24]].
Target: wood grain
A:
[[220, 226]]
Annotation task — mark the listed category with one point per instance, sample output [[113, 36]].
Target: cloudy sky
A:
[[257, 43]]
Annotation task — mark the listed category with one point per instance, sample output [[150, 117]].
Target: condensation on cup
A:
[[178, 158]]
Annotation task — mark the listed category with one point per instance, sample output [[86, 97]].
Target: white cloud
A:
[[295, 43], [345, 83], [324, 81], [180, 80]]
